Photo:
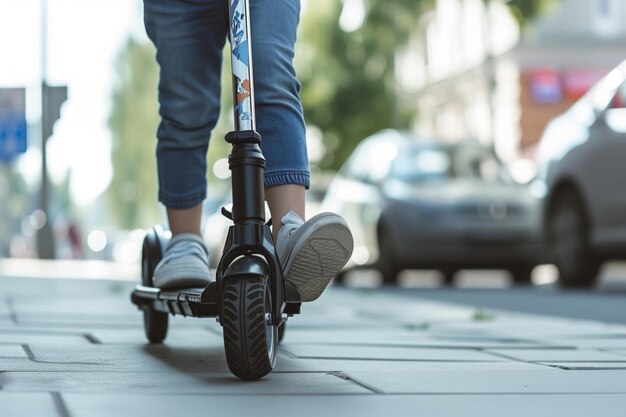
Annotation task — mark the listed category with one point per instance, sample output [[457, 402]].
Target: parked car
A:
[[582, 168], [415, 203]]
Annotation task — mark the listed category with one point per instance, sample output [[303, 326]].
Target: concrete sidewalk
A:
[[77, 348]]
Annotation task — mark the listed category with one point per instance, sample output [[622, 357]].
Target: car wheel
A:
[[340, 279], [448, 276], [522, 274], [387, 263], [568, 237]]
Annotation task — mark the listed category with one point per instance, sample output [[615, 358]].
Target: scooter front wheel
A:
[[250, 340]]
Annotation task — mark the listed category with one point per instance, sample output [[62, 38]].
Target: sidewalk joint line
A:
[[91, 338], [582, 368], [287, 353], [28, 352], [59, 404], [395, 360], [350, 378], [513, 359], [32, 358]]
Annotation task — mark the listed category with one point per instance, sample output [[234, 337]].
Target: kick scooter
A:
[[250, 297]]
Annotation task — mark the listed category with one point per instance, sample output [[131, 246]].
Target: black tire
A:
[[568, 237], [155, 323], [250, 344], [448, 276], [521, 275], [387, 264], [339, 280]]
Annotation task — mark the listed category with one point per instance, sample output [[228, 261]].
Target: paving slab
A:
[[599, 342], [585, 366], [290, 364], [134, 358], [75, 321], [107, 305], [166, 383], [46, 288], [581, 405], [528, 327], [560, 355], [406, 338], [27, 404], [12, 351], [21, 336], [538, 381], [82, 345], [177, 336], [394, 353]]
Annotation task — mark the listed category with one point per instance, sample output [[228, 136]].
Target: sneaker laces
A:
[[290, 223], [186, 244]]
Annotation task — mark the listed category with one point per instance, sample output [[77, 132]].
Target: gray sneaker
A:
[[185, 264], [313, 252]]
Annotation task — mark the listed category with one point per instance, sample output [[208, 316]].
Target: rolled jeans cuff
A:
[[274, 179], [179, 203]]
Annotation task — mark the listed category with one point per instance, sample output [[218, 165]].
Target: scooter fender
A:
[[247, 266]]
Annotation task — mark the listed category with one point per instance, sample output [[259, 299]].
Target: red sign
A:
[[576, 82]]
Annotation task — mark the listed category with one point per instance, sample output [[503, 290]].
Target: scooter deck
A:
[[197, 302]]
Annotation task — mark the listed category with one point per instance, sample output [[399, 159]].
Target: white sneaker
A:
[[185, 264], [313, 252]]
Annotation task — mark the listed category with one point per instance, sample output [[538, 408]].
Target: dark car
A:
[[414, 203], [582, 171]]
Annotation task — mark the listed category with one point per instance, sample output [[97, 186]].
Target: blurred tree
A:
[[14, 195], [133, 123], [348, 80], [132, 194], [525, 10]]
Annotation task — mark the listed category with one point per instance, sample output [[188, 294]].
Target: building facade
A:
[[472, 73]]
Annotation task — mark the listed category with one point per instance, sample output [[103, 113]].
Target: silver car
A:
[[582, 170], [415, 203]]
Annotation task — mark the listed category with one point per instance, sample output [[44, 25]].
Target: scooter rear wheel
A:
[[155, 322], [250, 340]]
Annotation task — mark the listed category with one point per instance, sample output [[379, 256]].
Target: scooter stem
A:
[[241, 62], [246, 160]]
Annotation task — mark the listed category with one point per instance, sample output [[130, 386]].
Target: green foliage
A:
[[134, 119], [348, 90], [348, 78], [348, 84], [482, 315], [133, 123], [525, 10]]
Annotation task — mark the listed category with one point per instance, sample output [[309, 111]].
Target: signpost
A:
[[13, 126], [52, 98]]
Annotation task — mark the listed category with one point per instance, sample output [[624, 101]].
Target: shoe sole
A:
[[322, 247]]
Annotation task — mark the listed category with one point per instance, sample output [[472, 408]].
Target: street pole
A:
[[45, 238]]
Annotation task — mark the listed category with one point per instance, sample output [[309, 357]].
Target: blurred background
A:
[[454, 135]]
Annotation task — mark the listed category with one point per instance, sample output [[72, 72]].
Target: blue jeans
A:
[[189, 37]]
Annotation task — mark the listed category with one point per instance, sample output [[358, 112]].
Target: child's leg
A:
[[313, 252], [283, 199], [189, 37], [185, 220]]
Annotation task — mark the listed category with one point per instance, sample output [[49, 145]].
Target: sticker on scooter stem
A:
[[243, 90], [240, 59]]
